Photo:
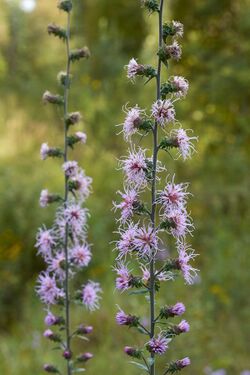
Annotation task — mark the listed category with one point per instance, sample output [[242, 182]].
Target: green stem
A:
[[66, 191], [153, 211]]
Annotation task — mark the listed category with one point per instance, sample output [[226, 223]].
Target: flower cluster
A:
[[151, 206], [64, 247]]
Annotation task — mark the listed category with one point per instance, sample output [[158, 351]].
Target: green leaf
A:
[[141, 291], [79, 370], [82, 337], [140, 365]]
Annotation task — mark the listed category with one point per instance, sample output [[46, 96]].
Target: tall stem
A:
[[66, 193], [153, 211]]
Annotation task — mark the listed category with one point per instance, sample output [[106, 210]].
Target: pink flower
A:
[[176, 310], [158, 345], [184, 143], [48, 333], [180, 86], [183, 326], [56, 265], [70, 168], [44, 198], [133, 69], [76, 218], [163, 111], [132, 122], [82, 184], [186, 254], [180, 222], [145, 273], [173, 196], [130, 198], [50, 319], [135, 168], [45, 240], [174, 50], [124, 277], [81, 255], [184, 362], [90, 295], [178, 29], [47, 289], [44, 151], [146, 241], [82, 137], [126, 244]]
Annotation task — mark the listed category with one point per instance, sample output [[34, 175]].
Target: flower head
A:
[[135, 168], [132, 122], [184, 143], [74, 216], [45, 240], [82, 137], [180, 223], [173, 196], [47, 289], [56, 265], [178, 29], [128, 203], [70, 168], [177, 309], [146, 241], [124, 278], [186, 254], [158, 345], [81, 184], [134, 69], [173, 50], [126, 244], [91, 295], [80, 255], [163, 111], [180, 86], [124, 319], [183, 326], [44, 151]]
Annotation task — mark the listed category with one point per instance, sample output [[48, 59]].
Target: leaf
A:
[[57, 348], [78, 370], [141, 291], [82, 337], [140, 365]]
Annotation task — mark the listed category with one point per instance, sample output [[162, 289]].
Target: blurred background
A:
[[216, 61]]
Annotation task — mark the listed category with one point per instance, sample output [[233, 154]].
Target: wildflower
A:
[[50, 319], [48, 97], [124, 319], [184, 143], [50, 368], [75, 217], [128, 204], [132, 122], [47, 289], [135, 168], [67, 354], [173, 51], [124, 278], [70, 168], [84, 330], [146, 241], [179, 86], [182, 327], [163, 112], [180, 223], [90, 295], [126, 244], [134, 69], [47, 151], [81, 184], [186, 254], [158, 345], [81, 255], [56, 265], [45, 240], [82, 137], [145, 273], [133, 352], [73, 118], [173, 196]]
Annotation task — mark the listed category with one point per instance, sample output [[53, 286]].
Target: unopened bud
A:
[[67, 354], [151, 5], [73, 118], [133, 352], [57, 31], [50, 368], [82, 53], [84, 330], [65, 5], [52, 99], [84, 357]]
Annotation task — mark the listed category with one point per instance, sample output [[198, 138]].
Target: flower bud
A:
[[64, 79], [85, 357], [52, 99], [79, 137], [84, 330], [73, 118], [178, 365], [51, 335], [175, 310], [174, 28], [51, 320], [46, 198], [57, 31], [82, 53], [126, 320], [65, 5], [47, 151], [167, 52], [50, 368], [151, 5], [133, 352], [67, 354]]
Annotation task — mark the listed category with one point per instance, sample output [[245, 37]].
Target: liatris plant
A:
[[64, 246], [150, 211]]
